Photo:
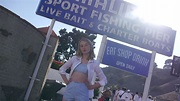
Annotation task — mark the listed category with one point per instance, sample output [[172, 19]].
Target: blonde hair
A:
[[91, 53]]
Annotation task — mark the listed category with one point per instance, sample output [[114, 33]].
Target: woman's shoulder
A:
[[75, 57], [95, 61]]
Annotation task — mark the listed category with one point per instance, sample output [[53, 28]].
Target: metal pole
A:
[[39, 61], [102, 47], [100, 54], [148, 79]]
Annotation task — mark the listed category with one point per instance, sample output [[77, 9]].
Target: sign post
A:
[[100, 55], [102, 47], [148, 79], [33, 78]]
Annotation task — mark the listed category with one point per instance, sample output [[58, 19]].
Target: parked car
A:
[[50, 89]]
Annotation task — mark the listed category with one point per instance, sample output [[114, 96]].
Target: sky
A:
[[164, 12]]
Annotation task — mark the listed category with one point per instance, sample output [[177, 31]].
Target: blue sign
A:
[[127, 58], [113, 18]]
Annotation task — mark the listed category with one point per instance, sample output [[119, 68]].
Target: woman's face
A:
[[84, 47]]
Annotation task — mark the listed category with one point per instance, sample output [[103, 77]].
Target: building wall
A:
[[20, 46]]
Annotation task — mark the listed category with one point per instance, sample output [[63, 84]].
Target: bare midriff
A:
[[79, 77]]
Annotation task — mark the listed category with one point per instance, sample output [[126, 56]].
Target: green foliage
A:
[[96, 93], [68, 43]]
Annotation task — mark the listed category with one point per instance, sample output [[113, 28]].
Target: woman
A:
[[80, 83]]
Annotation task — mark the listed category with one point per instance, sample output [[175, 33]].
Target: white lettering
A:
[[94, 14], [51, 11], [103, 4], [111, 50], [74, 18], [116, 21], [76, 7], [124, 53], [48, 2], [130, 67], [66, 5], [157, 35], [118, 32], [122, 64], [140, 59], [111, 7], [84, 1], [154, 44], [129, 12], [123, 9], [56, 2], [116, 7]]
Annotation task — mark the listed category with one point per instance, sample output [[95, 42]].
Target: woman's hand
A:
[[90, 87], [94, 86], [66, 81]]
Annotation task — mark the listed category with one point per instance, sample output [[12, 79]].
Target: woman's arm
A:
[[94, 86], [63, 68], [66, 81], [67, 65], [102, 78], [100, 74]]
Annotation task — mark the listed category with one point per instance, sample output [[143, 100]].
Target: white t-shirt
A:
[[136, 97], [127, 96], [115, 95], [148, 99], [120, 93]]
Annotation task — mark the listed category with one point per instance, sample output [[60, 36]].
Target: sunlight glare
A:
[[156, 11]]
